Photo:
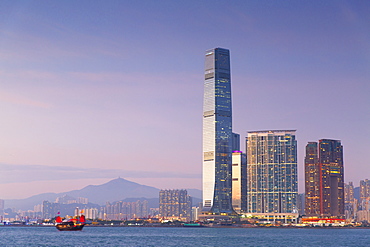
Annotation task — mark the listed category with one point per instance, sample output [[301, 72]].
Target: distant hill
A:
[[115, 190], [30, 202]]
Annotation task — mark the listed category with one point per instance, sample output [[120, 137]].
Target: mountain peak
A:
[[120, 180], [114, 190]]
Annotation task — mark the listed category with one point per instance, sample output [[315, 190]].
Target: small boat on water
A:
[[196, 224], [74, 224]]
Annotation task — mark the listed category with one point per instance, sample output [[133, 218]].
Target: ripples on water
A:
[[158, 236]]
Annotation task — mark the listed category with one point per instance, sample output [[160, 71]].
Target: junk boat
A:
[[74, 224]]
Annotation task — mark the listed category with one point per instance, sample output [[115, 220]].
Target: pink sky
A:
[[93, 91]]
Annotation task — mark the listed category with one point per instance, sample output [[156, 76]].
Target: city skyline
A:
[[93, 91]]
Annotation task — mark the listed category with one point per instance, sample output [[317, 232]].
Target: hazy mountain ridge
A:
[[30, 202], [115, 190]]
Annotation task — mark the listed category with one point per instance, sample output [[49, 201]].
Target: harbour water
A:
[[166, 236]]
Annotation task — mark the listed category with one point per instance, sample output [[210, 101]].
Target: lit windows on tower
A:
[[271, 171], [217, 133]]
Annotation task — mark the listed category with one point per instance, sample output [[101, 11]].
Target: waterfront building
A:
[[272, 172], [50, 209], [125, 210], [363, 215], [364, 190], [91, 213], [194, 213], [350, 205], [239, 181], [274, 218], [217, 134], [175, 205], [324, 179], [312, 180], [78, 212], [349, 194]]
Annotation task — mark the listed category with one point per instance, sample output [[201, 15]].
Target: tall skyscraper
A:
[[324, 180], [331, 168], [217, 133], [312, 180], [272, 171]]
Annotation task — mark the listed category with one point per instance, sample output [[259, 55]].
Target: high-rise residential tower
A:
[[312, 180], [175, 204], [349, 193], [217, 133], [272, 171], [324, 180], [350, 203], [364, 190]]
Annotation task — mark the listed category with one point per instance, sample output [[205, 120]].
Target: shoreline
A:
[[232, 226]]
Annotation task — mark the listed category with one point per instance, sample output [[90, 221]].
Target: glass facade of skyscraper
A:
[[312, 180], [324, 181], [331, 170], [272, 171], [217, 133]]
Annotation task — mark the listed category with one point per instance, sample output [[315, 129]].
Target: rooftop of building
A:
[[271, 131]]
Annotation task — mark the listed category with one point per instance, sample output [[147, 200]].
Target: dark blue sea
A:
[[158, 236]]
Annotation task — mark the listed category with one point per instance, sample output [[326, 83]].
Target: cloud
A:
[[29, 173]]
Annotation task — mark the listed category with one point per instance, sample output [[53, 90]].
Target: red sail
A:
[[82, 218], [58, 219]]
